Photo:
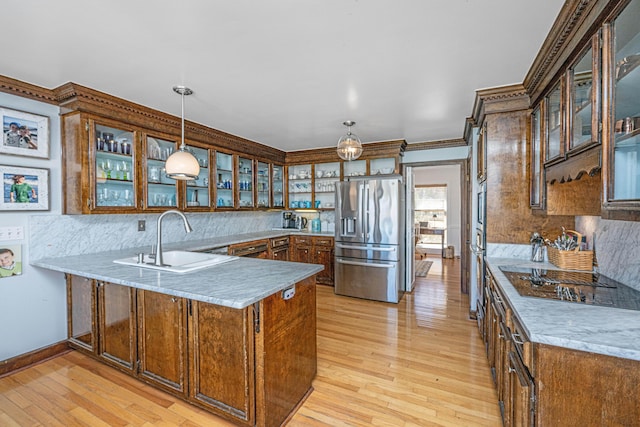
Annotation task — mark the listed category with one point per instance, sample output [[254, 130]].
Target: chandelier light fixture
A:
[[182, 165], [349, 146]]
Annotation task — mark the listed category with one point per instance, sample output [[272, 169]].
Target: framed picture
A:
[[10, 260], [24, 189], [24, 134]]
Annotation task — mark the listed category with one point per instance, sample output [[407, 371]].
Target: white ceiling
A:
[[285, 73]]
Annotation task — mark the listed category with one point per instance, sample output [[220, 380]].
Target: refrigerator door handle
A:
[[364, 223], [365, 248], [364, 264]]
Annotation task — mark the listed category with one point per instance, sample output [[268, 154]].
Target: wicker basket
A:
[[571, 260]]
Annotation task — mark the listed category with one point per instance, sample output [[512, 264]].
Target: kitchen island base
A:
[[253, 366]]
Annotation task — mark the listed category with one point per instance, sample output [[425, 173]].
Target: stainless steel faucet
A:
[[187, 227]]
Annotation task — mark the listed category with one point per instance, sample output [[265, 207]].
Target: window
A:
[[431, 205]]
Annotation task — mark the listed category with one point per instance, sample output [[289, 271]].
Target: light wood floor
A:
[[418, 363]]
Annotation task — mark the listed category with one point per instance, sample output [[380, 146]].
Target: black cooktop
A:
[[572, 286]]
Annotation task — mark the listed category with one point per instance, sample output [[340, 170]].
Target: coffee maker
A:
[[288, 219]]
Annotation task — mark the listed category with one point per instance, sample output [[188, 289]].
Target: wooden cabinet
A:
[[198, 193], [253, 249], [277, 185], [221, 360], [621, 126], [323, 254], [100, 165], [160, 192], [81, 319], [252, 366], [279, 248], [245, 182], [117, 325], [539, 384], [315, 250], [162, 340], [301, 248]]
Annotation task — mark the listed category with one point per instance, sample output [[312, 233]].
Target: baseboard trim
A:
[[31, 358]]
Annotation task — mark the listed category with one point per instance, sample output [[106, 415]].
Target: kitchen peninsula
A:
[[237, 339]]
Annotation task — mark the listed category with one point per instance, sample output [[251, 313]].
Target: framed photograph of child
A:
[[24, 189], [24, 134], [10, 260]]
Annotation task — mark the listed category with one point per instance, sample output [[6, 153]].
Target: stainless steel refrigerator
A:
[[369, 238]]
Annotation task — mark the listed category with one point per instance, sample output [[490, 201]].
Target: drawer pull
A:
[[517, 340]]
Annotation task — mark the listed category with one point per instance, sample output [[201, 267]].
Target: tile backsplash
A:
[[65, 235]]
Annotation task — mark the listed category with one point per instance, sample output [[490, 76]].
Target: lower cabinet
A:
[[540, 385], [279, 248], [315, 250], [117, 325], [252, 366], [220, 363], [162, 340]]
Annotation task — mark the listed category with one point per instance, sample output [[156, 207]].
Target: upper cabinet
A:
[[554, 148], [621, 153], [585, 84], [584, 97], [160, 192]]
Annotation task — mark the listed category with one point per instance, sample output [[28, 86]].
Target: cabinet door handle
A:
[[517, 340]]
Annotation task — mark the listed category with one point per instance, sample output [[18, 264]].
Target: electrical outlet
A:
[[288, 293], [142, 225]]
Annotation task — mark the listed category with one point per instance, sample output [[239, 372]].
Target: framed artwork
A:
[[10, 260], [24, 189], [24, 134]]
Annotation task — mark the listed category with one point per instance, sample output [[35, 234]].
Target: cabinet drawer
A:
[[254, 249], [302, 240], [323, 241], [279, 241]]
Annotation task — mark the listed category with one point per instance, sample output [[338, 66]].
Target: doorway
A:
[[450, 174]]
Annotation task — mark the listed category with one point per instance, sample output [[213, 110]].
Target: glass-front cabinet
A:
[[537, 174], [300, 186], [623, 154], [326, 176], [224, 176], [263, 185], [161, 191], [553, 102], [277, 183], [245, 182], [114, 166], [585, 88], [198, 192], [355, 168], [382, 166]]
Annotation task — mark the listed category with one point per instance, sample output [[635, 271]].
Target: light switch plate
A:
[[12, 233]]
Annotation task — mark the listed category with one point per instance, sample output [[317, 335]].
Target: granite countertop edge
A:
[[594, 329]]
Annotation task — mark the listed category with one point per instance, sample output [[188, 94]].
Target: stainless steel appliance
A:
[[288, 219], [369, 238], [572, 286]]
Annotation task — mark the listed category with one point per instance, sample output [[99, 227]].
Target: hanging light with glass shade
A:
[[182, 165], [349, 146]]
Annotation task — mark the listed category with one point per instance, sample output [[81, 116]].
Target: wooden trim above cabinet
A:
[[576, 23], [26, 90], [394, 148], [74, 97]]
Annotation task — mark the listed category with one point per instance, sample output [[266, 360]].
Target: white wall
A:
[[32, 305], [448, 175]]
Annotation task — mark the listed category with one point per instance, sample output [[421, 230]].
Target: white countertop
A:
[[237, 284], [603, 330]]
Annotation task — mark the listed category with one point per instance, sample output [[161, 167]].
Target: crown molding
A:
[[26, 90], [577, 21], [502, 99], [432, 145]]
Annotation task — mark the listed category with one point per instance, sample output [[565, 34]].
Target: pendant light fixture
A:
[[349, 146], [182, 165]]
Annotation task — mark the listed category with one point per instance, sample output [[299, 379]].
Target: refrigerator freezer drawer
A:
[[370, 252], [374, 280]]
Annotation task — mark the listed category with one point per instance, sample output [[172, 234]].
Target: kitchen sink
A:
[[179, 261]]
